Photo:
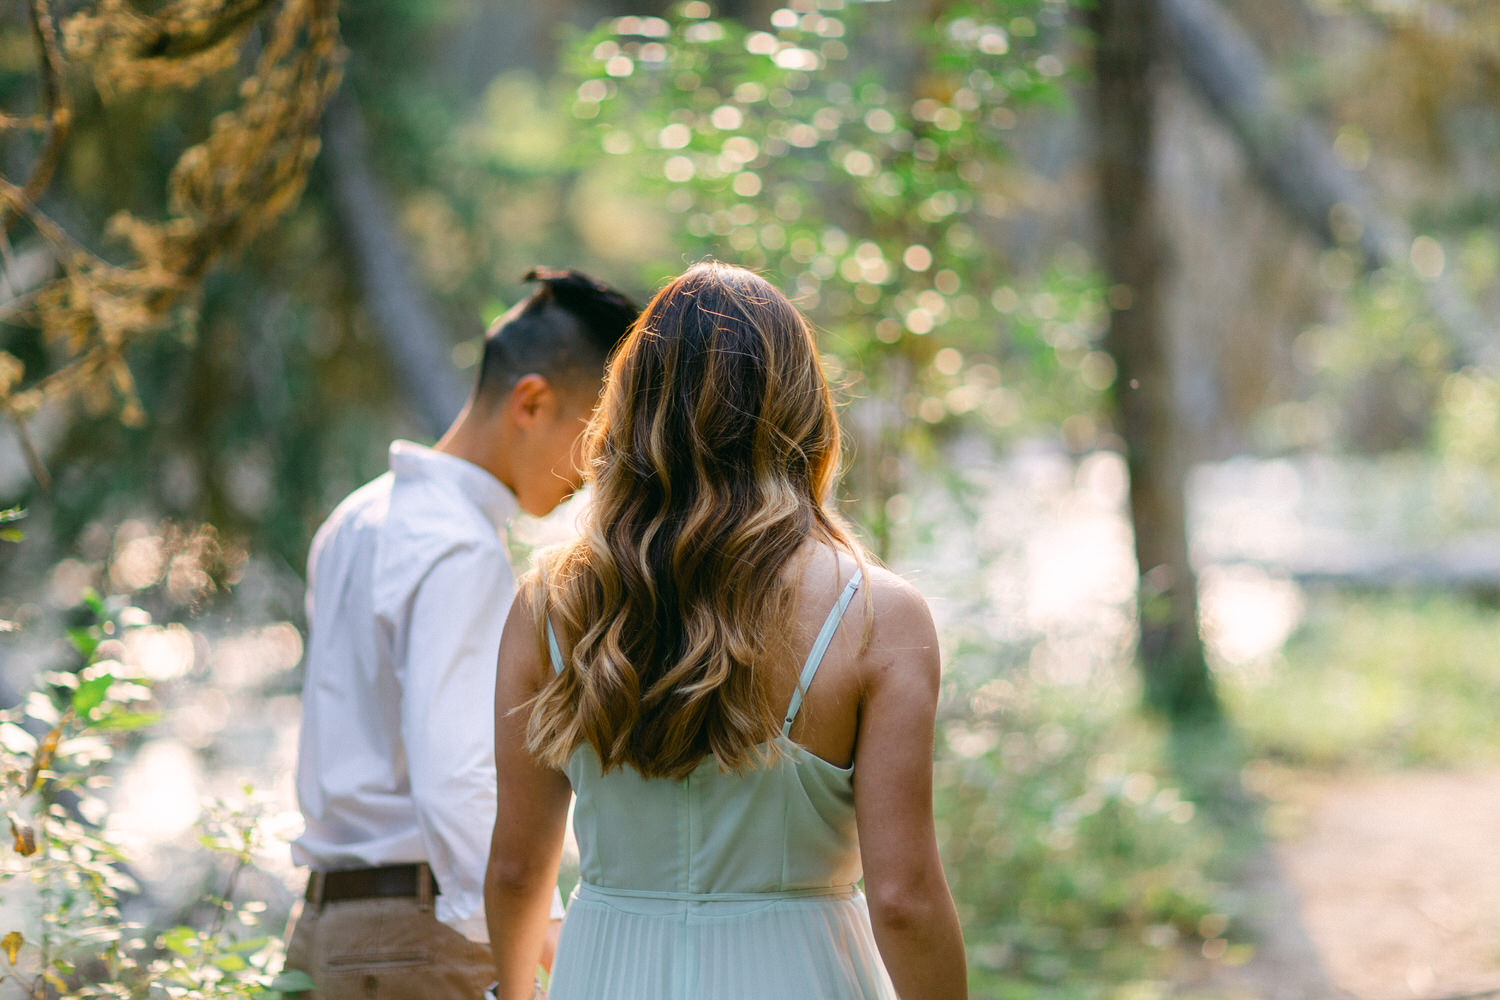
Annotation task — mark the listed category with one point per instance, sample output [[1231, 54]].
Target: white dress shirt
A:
[[409, 584]]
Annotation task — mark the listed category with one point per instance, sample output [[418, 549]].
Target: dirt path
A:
[[1379, 888]]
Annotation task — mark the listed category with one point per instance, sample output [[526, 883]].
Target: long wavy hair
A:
[[713, 454]]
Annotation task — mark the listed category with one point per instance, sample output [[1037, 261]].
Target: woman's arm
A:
[[916, 926], [532, 809]]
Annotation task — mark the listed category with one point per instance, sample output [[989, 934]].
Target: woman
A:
[[736, 750]]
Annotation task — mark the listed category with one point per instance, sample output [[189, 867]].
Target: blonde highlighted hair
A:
[[714, 455]]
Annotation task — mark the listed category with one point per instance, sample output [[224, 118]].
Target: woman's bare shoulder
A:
[[894, 593], [898, 613], [901, 627], [520, 646]]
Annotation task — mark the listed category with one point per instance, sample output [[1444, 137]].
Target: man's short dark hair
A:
[[564, 331]]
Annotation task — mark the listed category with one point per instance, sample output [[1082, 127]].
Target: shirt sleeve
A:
[[447, 666]]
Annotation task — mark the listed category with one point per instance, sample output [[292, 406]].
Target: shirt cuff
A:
[[471, 925]]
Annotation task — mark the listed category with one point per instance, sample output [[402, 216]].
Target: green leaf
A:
[[11, 534], [85, 639], [293, 981], [253, 944], [180, 941], [91, 693], [123, 721], [94, 602], [231, 963]]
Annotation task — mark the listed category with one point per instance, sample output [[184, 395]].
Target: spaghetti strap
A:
[[820, 646], [553, 650]]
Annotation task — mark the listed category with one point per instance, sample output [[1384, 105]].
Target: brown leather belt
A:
[[408, 880]]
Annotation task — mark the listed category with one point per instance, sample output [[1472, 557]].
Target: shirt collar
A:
[[410, 460]]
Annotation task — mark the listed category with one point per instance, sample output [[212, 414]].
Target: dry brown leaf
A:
[[46, 752], [24, 836]]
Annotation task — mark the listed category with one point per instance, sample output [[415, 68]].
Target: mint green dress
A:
[[720, 886]]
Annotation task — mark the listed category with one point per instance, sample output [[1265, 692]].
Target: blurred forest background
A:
[[1166, 331]]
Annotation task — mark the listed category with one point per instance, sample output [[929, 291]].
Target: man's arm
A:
[[447, 667]]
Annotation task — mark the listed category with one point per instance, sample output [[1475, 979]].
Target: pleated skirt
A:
[[621, 946]]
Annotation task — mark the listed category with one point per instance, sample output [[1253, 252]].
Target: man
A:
[[408, 589]]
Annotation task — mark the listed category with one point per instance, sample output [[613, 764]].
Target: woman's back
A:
[[724, 884]]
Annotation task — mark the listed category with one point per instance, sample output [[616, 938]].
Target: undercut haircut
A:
[[564, 331]]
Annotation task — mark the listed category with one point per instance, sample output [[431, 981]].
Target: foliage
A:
[[61, 889], [275, 379], [1414, 109], [1430, 60], [1373, 370], [864, 159], [223, 191], [1466, 438], [8, 517], [1078, 869], [871, 195], [1376, 681]]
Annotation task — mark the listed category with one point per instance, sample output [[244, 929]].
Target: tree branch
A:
[[1297, 166], [183, 30], [58, 117]]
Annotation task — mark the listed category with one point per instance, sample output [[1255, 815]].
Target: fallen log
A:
[[1470, 565]]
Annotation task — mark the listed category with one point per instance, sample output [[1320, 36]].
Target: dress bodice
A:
[[784, 826]]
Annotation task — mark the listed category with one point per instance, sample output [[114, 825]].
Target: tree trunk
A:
[[1170, 650], [417, 343]]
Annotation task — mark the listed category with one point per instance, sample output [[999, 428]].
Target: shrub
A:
[[1076, 867], [62, 884]]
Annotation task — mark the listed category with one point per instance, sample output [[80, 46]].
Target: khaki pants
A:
[[384, 949]]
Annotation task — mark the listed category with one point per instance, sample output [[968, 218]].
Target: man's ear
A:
[[531, 399]]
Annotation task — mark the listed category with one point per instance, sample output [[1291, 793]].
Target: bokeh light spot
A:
[[727, 117], [1427, 257], [674, 136], [917, 257]]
